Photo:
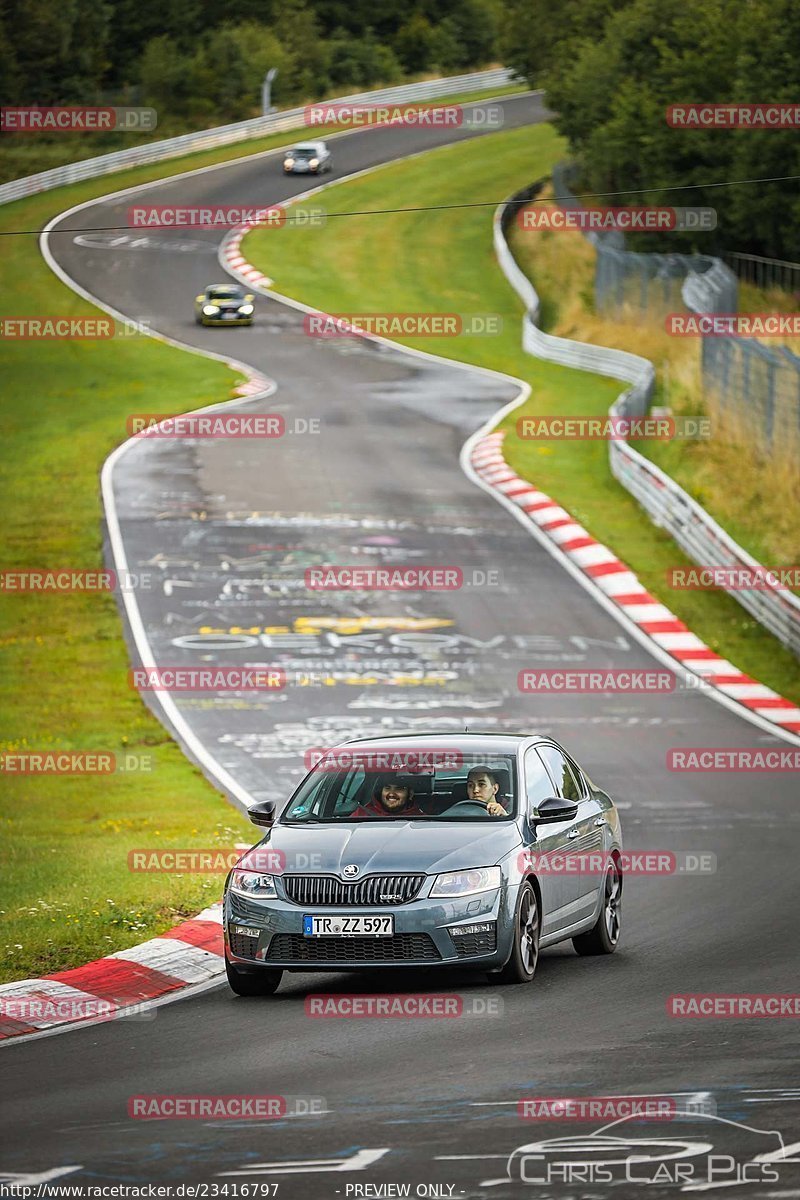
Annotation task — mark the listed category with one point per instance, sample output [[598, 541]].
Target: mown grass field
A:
[[442, 261]]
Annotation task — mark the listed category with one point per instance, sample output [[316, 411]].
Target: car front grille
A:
[[400, 947], [325, 891]]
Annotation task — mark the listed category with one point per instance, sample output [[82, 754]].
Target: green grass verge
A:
[[21, 156], [67, 896], [442, 261]]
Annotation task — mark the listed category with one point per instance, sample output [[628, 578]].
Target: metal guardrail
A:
[[765, 273], [667, 504], [240, 131]]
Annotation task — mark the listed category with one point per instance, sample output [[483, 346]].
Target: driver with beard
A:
[[392, 796]]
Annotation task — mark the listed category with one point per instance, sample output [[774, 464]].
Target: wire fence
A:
[[666, 503], [756, 387]]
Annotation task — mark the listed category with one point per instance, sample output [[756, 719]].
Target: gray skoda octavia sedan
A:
[[423, 851]]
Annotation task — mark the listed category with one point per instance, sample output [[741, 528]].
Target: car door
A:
[[559, 888], [585, 834]]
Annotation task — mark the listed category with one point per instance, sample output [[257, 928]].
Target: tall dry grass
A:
[[753, 490]]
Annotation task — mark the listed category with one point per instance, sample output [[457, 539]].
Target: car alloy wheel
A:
[[521, 966], [603, 937]]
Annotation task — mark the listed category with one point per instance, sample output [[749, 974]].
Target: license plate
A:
[[342, 925]]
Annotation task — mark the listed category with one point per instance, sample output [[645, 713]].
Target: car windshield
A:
[[303, 152], [225, 293], [350, 785]]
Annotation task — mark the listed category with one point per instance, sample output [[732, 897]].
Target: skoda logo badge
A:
[[350, 871]]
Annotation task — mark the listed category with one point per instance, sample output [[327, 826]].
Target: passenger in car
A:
[[482, 787], [389, 799]]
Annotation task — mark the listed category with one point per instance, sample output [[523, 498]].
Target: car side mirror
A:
[[555, 808], [262, 813]]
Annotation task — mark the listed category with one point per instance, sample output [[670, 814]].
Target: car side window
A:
[[580, 777], [348, 793], [561, 772], [538, 785]]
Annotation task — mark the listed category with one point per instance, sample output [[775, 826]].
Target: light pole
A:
[[266, 91]]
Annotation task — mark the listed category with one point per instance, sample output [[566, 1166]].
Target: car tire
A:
[[521, 966], [603, 937], [252, 983]]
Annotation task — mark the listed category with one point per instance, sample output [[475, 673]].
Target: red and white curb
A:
[[620, 586], [596, 564], [254, 385], [231, 257], [119, 984]]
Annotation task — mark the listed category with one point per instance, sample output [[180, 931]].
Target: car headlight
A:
[[288, 162], [210, 309], [258, 887], [245, 309], [466, 883], [313, 162]]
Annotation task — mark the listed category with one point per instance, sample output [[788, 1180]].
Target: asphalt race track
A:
[[229, 527]]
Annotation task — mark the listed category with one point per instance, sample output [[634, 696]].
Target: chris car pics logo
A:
[[705, 1151]]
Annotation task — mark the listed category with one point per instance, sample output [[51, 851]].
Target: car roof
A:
[[474, 741], [307, 145], [216, 287]]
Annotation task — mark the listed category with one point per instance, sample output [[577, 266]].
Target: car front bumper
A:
[[426, 934], [204, 320]]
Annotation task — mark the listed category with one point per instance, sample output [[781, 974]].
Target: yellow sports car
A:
[[223, 304]]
